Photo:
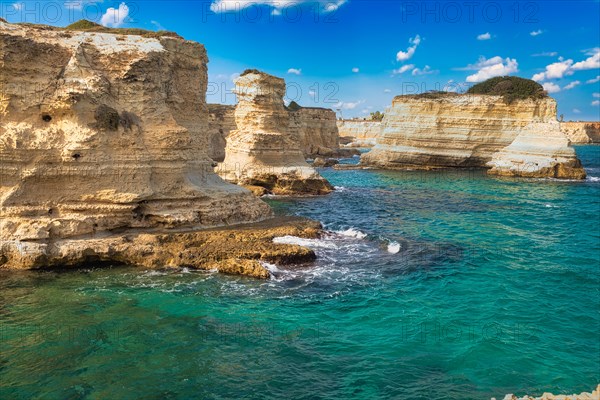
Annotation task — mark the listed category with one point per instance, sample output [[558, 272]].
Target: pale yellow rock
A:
[[466, 131], [540, 150], [316, 130], [359, 133], [262, 151], [220, 124], [581, 132], [103, 132]]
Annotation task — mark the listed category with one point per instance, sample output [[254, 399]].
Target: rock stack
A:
[[262, 151]]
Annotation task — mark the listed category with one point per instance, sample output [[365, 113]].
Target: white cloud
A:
[[555, 71], [403, 69], [348, 105], [551, 87], [545, 54], [566, 67], [17, 6], [594, 80], [115, 17], [484, 36], [576, 111], [294, 71], [387, 91], [596, 103], [312, 93], [425, 71], [572, 85], [407, 55], [78, 4], [223, 6], [592, 62], [536, 33], [489, 68], [355, 70], [596, 95]]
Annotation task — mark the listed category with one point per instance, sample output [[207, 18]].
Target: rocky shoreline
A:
[[237, 249], [594, 395]]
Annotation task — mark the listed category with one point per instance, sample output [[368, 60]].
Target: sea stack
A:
[[493, 126], [262, 152]]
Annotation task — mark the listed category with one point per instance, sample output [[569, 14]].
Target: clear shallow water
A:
[[464, 287]]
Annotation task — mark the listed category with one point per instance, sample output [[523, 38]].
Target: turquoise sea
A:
[[430, 285]]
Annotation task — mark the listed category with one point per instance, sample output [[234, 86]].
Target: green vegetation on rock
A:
[[510, 87], [89, 26], [293, 106]]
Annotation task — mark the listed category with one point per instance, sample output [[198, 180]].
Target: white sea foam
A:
[[272, 268], [352, 232], [393, 247], [310, 243], [340, 188], [593, 178]]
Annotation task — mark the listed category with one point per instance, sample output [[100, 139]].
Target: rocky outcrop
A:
[[357, 133], [262, 151], [221, 121], [316, 130], [594, 395], [540, 150], [102, 135], [469, 131], [581, 132]]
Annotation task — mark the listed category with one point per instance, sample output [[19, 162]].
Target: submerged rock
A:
[[595, 395], [262, 151]]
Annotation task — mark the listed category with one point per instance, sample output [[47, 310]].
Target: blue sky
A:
[[356, 55]]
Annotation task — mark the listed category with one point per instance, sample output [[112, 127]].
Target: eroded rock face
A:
[[466, 131], [262, 151], [102, 132], [359, 133], [316, 130], [581, 132], [540, 150], [221, 121]]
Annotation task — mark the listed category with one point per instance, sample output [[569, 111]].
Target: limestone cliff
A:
[[102, 133], [581, 132], [452, 130], [315, 129], [359, 133], [221, 121], [262, 151]]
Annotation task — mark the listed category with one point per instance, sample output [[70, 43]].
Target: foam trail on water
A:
[[352, 232]]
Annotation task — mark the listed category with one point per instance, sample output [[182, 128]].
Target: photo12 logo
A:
[[471, 12]]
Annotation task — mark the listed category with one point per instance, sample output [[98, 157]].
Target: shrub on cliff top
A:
[[293, 106], [89, 26], [251, 71], [510, 87]]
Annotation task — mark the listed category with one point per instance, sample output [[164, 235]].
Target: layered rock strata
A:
[[101, 134], [316, 130], [467, 131], [357, 133], [581, 132], [262, 151], [221, 121]]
